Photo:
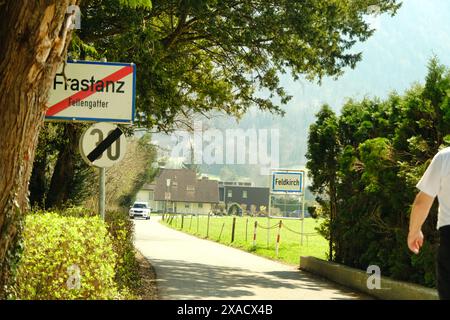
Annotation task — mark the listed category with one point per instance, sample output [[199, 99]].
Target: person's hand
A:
[[415, 241]]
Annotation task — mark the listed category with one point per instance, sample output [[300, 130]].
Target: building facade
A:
[[249, 198], [180, 191]]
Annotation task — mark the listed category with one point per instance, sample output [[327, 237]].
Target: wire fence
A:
[[255, 231]]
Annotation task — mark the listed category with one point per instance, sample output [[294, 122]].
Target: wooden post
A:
[[182, 221], [254, 234], [233, 228], [197, 222], [246, 230], [221, 230], [277, 246], [102, 193], [207, 227]]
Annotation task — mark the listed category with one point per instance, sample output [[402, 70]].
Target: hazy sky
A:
[[393, 58]]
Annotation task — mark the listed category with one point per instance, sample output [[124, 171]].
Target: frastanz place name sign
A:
[[93, 91], [288, 181]]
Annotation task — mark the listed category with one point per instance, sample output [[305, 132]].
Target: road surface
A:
[[191, 268]]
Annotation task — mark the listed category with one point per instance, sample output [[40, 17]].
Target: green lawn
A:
[[289, 250]]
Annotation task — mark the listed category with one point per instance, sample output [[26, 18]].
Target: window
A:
[[190, 188], [200, 205], [150, 195], [187, 205], [244, 194], [230, 193]]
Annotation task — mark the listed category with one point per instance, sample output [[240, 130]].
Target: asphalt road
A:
[[191, 268]]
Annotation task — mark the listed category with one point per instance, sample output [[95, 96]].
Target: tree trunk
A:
[[332, 216], [33, 38], [64, 173], [38, 182]]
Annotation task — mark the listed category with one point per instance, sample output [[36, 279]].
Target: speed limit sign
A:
[[103, 145]]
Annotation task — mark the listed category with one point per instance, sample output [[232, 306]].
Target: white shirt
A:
[[436, 182]]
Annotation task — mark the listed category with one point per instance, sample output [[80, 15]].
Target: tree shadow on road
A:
[[199, 281]]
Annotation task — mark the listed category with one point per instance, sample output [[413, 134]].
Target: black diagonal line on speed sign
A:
[[105, 144]]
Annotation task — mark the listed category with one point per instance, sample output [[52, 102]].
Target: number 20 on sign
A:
[[103, 145]]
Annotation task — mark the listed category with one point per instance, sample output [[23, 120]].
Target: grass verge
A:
[[290, 249]]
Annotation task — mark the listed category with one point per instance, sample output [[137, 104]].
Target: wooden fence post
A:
[[207, 227], [246, 230], [221, 230], [197, 222], [233, 228], [277, 246], [254, 234]]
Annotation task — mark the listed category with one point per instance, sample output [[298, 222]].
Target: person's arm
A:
[[419, 213]]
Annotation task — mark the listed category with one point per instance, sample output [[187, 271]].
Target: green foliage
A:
[[58, 142], [79, 181], [55, 244], [322, 155], [75, 212], [323, 150], [375, 156], [121, 229], [146, 4], [103, 251], [203, 55]]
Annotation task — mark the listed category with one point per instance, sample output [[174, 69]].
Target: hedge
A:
[[56, 248], [121, 228]]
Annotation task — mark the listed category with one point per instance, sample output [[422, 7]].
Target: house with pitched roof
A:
[[180, 191]]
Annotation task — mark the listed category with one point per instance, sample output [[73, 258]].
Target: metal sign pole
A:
[[303, 216], [302, 197], [286, 214], [268, 231], [101, 193], [268, 212]]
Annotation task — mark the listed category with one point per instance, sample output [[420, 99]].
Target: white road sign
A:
[[288, 181], [103, 145], [93, 91]]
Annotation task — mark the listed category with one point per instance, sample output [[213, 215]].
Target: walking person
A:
[[435, 182]]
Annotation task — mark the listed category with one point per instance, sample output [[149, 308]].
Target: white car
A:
[[140, 209]]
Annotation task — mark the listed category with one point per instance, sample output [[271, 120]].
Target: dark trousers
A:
[[443, 264]]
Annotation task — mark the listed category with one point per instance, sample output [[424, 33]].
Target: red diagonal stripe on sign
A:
[[80, 95]]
